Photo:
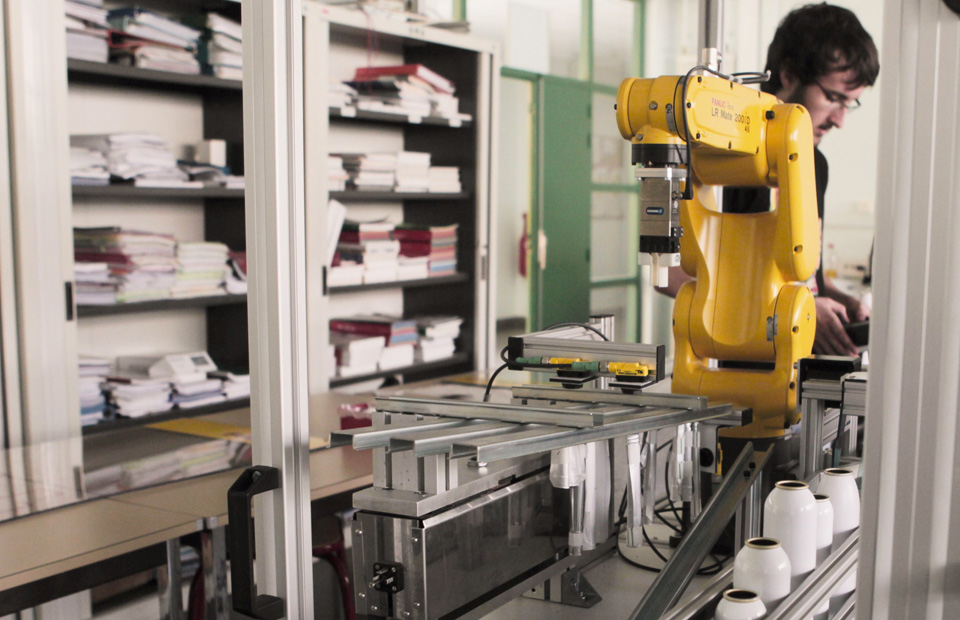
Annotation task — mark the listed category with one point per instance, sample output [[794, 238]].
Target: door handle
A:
[[542, 249], [253, 481]]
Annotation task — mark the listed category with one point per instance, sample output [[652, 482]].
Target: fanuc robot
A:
[[744, 322]]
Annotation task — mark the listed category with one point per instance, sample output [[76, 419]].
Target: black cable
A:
[[486, 393], [583, 325]]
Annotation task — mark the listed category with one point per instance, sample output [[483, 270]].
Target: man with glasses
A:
[[822, 58]]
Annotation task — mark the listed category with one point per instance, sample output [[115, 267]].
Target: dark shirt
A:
[[757, 199]]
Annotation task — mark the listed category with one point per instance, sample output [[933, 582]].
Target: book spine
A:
[[365, 329]]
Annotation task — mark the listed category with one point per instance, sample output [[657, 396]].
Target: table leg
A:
[[214, 552], [168, 584]]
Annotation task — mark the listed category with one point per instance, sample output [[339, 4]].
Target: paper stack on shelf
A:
[[138, 396], [95, 285], [88, 167], [345, 272], [210, 175], [336, 174], [444, 180], [396, 356], [143, 158], [371, 171], [151, 41], [143, 265], [197, 393], [413, 267], [369, 244], [437, 337], [413, 172], [93, 372], [86, 31], [236, 279], [341, 95], [221, 47], [394, 329], [411, 90], [356, 354], [438, 243], [201, 269], [235, 385]]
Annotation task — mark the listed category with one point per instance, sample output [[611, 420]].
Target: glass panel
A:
[[671, 37], [542, 36], [613, 235], [614, 56], [621, 302], [611, 153], [516, 175]]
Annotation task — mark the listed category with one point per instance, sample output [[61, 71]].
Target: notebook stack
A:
[[369, 244], [142, 158], [88, 167], [370, 171], [221, 46], [437, 243], [444, 180], [394, 330], [197, 392], [87, 30], [135, 397], [235, 385], [142, 265], [151, 41], [413, 172], [341, 95], [437, 337], [201, 269], [409, 90], [95, 285], [356, 354], [93, 372], [336, 174]]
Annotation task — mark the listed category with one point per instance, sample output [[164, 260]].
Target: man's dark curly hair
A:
[[817, 39]]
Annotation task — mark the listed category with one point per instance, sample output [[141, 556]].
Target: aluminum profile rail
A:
[[582, 417], [490, 449], [379, 437], [847, 611], [818, 586], [429, 443], [710, 595], [676, 575], [643, 399]]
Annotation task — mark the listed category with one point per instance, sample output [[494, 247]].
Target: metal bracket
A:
[[772, 326]]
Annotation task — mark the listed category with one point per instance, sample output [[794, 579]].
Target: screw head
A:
[[362, 595], [358, 532], [374, 608]]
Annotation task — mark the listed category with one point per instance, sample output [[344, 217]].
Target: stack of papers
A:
[[413, 172], [356, 354], [371, 171], [152, 41], [143, 158], [378, 257], [191, 394], [138, 396], [394, 329], [86, 31], [211, 176], [95, 285], [142, 265], [88, 167], [437, 243], [235, 385], [341, 95], [221, 48], [336, 174], [396, 356], [93, 372], [437, 337], [201, 269], [444, 179], [411, 90]]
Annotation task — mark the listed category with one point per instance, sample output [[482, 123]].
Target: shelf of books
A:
[[95, 72], [458, 278], [160, 305], [128, 190], [371, 195], [151, 418], [351, 112]]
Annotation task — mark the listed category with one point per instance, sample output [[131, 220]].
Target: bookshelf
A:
[[335, 41], [121, 190], [118, 423], [162, 305]]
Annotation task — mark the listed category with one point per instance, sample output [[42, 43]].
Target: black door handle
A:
[[253, 481]]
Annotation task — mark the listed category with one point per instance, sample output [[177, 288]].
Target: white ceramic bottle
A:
[[841, 486], [790, 516], [740, 605], [763, 566], [824, 526]]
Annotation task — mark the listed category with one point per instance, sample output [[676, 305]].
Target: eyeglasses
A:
[[838, 98]]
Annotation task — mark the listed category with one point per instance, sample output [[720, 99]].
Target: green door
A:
[[561, 219]]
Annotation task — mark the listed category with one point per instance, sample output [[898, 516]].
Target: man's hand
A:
[[831, 338]]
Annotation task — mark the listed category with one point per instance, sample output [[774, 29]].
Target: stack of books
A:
[[221, 46], [370, 171], [201, 269], [444, 180], [209, 175], [437, 337], [341, 95], [394, 330], [135, 397], [356, 354], [235, 385], [94, 284], [88, 167], [197, 392], [93, 372], [411, 90], [143, 265], [151, 41], [142, 158], [413, 172], [369, 244], [437, 243], [87, 30], [397, 356], [336, 174]]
